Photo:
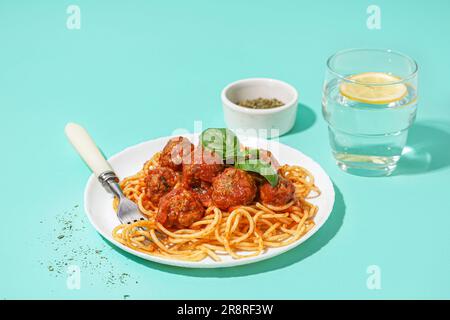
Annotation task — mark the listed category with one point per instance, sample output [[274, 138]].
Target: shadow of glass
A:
[[305, 119], [303, 251], [427, 149]]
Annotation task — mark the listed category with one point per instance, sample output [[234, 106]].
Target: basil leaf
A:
[[246, 155], [261, 167], [220, 140], [225, 143]]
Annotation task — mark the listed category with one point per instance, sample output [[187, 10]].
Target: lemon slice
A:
[[373, 88]]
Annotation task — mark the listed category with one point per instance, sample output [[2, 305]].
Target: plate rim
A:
[[198, 264]]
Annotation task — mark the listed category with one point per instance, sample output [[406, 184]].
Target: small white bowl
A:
[[276, 121]]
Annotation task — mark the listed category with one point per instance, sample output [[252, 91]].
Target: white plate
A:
[[98, 203]]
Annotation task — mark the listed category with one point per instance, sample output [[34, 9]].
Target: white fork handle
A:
[[86, 147]]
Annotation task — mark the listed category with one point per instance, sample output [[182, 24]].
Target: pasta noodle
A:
[[242, 232]]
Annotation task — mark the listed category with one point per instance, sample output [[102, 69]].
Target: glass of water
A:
[[369, 102]]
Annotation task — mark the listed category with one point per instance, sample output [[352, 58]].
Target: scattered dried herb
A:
[[261, 103], [70, 248]]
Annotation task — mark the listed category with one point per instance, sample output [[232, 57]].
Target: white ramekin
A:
[[276, 121]]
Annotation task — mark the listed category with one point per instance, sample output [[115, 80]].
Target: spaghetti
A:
[[241, 232]]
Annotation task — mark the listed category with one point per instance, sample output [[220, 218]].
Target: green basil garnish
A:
[[225, 143], [261, 167], [221, 141]]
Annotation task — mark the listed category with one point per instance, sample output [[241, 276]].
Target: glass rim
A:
[[402, 80]]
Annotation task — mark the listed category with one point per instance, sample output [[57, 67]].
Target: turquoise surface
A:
[[137, 70]]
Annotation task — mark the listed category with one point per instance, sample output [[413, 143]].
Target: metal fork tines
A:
[[128, 212]]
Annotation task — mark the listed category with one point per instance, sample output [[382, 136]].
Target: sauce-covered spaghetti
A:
[[204, 211]]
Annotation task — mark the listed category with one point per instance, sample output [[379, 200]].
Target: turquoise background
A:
[[137, 70]]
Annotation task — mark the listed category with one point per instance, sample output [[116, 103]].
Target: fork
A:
[[127, 212]]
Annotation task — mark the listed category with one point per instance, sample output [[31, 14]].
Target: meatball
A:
[[201, 165], [179, 208], [173, 153], [279, 195], [203, 193], [267, 156], [233, 187], [158, 182]]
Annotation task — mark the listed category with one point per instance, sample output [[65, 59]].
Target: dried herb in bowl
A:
[[261, 103]]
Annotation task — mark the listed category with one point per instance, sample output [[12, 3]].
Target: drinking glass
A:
[[369, 102]]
